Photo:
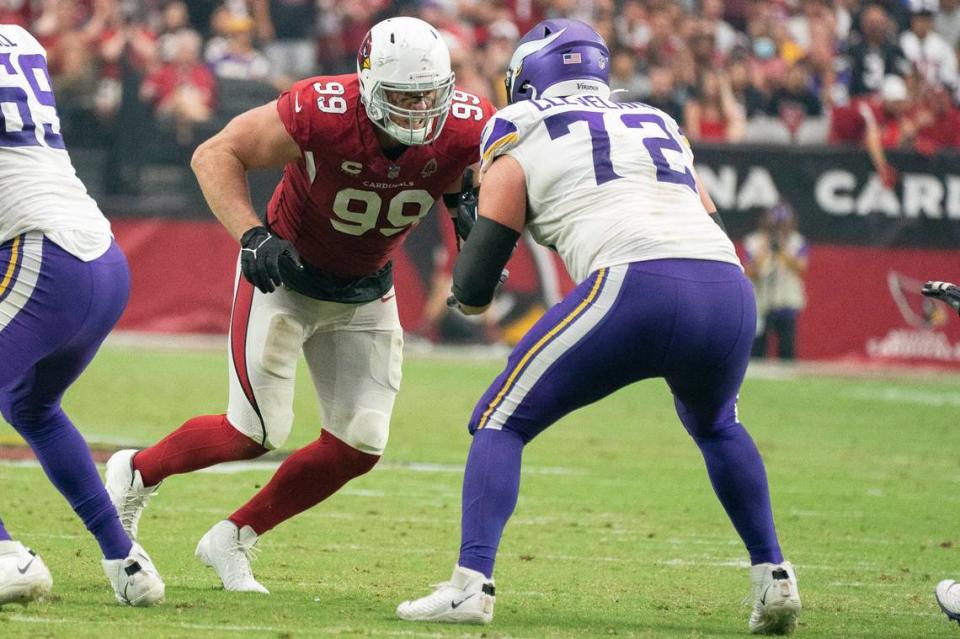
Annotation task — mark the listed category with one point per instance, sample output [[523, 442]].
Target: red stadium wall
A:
[[183, 275], [864, 302]]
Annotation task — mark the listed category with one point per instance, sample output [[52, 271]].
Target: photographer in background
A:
[[775, 261]]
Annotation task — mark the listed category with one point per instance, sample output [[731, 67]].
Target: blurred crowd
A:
[[882, 73]]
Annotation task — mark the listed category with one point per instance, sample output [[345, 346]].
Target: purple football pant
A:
[[691, 322], [55, 310]]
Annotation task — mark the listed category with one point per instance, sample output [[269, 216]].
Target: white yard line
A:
[[230, 468], [896, 395]]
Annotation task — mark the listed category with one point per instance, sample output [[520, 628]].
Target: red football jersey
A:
[[345, 205]]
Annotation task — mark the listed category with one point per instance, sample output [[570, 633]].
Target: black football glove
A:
[[466, 214], [260, 258], [945, 292]]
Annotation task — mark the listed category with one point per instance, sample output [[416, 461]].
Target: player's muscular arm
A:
[[707, 202], [252, 140], [502, 216], [705, 198], [503, 194]]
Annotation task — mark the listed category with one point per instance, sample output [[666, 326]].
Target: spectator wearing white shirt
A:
[[947, 22], [934, 59], [725, 36]]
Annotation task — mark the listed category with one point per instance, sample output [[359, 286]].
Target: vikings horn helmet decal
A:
[[556, 58]]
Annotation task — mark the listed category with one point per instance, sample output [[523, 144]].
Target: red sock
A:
[[200, 442], [304, 479]]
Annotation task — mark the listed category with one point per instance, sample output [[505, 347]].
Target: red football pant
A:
[[199, 443], [304, 479]]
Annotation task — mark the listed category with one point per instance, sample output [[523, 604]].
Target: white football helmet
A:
[[405, 55]]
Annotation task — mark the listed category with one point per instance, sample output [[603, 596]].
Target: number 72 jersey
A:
[[607, 183], [39, 188]]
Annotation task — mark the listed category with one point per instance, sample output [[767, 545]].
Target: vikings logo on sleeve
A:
[[499, 136]]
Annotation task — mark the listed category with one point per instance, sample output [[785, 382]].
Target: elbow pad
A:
[[477, 271]]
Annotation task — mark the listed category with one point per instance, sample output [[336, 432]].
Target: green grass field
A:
[[617, 532]]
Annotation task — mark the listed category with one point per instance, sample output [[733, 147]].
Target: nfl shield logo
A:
[[571, 58], [393, 172]]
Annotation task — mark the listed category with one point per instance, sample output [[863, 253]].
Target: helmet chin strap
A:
[[399, 133], [374, 112], [404, 135]]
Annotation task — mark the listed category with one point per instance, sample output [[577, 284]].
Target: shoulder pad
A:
[[504, 131]]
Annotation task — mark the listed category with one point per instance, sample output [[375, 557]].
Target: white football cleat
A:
[[23, 575], [229, 551], [776, 599], [467, 598], [126, 490], [134, 578], [948, 596]]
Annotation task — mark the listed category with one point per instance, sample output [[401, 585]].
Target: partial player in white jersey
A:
[[63, 284], [661, 294], [633, 196]]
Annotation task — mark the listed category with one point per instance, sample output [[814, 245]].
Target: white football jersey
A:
[[607, 183], [39, 188]]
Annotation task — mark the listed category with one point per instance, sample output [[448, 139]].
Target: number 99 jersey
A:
[[345, 205], [39, 188], [607, 183]]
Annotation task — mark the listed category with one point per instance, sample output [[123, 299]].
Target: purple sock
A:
[[4, 535], [490, 488], [740, 481], [66, 459]]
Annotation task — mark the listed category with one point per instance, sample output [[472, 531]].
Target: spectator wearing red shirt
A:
[[714, 114], [183, 89], [934, 123], [18, 12], [875, 122]]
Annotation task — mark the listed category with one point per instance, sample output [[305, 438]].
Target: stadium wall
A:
[[871, 250]]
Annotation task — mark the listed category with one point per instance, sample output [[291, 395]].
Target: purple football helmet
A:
[[556, 58]]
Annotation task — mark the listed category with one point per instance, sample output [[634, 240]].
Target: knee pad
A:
[[277, 414], [367, 431], [271, 427]]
